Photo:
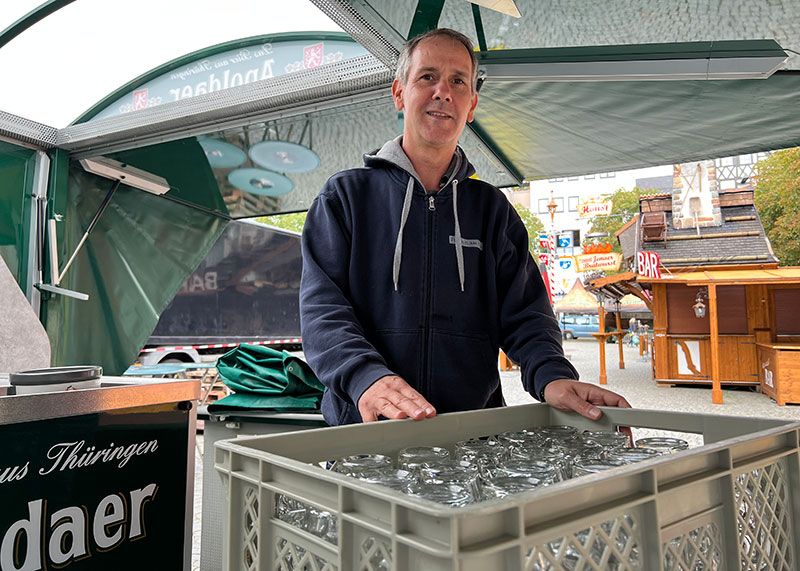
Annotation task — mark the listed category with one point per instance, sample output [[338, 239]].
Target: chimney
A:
[[695, 195]]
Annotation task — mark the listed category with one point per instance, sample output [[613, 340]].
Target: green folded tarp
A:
[[265, 379]]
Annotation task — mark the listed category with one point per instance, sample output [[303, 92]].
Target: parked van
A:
[[575, 326]]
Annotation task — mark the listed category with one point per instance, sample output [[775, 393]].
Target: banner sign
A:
[[649, 264], [98, 491], [231, 69], [594, 207], [607, 262], [565, 262], [565, 240], [544, 258], [544, 242]]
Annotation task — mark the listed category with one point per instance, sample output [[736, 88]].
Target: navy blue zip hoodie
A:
[[426, 286]]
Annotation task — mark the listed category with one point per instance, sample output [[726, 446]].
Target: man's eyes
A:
[[431, 77]]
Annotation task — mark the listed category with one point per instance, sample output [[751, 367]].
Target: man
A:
[[415, 274]]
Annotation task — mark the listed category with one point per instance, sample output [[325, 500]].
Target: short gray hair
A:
[[404, 60]]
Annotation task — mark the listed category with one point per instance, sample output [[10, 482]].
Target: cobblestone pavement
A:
[[635, 383]]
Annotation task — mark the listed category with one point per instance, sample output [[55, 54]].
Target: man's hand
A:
[[392, 397], [568, 395]]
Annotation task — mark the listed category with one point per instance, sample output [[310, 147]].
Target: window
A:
[[559, 204], [573, 178], [555, 180], [726, 161], [584, 320], [543, 205], [569, 319], [608, 174], [589, 177], [745, 160], [572, 203], [786, 303]]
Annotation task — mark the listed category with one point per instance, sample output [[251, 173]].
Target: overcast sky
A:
[[63, 65]]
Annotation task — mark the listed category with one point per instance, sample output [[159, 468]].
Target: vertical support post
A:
[[716, 388], [601, 338], [620, 336]]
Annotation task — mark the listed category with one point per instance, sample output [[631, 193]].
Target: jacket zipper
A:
[[428, 299]]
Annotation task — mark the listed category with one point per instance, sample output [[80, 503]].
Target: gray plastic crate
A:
[[733, 503]]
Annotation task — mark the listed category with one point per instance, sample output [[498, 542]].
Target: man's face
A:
[[437, 99]]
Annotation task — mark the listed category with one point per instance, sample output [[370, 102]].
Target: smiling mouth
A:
[[438, 115]]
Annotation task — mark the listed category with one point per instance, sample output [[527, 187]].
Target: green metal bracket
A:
[[484, 138], [476, 16], [426, 17]]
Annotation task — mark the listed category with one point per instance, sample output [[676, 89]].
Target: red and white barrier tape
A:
[[292, 341]]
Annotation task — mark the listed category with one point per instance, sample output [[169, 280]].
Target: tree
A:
[[532, 224], [777, 198], [624, 206], [293, 222]]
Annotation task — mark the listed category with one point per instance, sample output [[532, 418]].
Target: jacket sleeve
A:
[[333, 339], [529, 329]]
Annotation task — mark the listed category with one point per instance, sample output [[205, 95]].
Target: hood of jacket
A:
[[391, 154]]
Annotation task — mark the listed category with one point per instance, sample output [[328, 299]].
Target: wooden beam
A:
[[638, 293], [602, 340], [619, 340], [716, 388]]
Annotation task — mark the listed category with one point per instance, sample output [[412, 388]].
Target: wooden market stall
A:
[[732, 327], [612, 290]]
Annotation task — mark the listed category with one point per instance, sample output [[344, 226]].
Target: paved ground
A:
[[634, 383]]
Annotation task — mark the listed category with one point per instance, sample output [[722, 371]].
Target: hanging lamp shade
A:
[[261, 182], [285, 157], [222, 155]]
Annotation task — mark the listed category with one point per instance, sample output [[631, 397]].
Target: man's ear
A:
[[472, 107], [397, 94]]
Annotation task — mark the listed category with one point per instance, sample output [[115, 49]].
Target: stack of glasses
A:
[[493, 467], [482, 469]]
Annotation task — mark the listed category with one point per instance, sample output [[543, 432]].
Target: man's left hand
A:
[[569, 396]]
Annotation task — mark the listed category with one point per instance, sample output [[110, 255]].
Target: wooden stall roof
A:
[[618, 286], [786, 275]]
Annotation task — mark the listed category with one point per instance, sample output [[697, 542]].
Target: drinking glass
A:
[[415, 457], [632, 455], [662, 444], [453, 472], [501, 487], [357, 463], [453, 495], [593, 467], [390, 477], [607, 439]]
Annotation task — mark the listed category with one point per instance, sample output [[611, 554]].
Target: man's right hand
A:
[[392, 397]]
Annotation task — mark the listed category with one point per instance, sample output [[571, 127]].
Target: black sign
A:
[[99, 491]]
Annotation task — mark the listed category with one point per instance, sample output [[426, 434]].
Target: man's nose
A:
[[442, 91]]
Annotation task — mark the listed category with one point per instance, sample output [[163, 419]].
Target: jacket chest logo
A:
[[475, 243]]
